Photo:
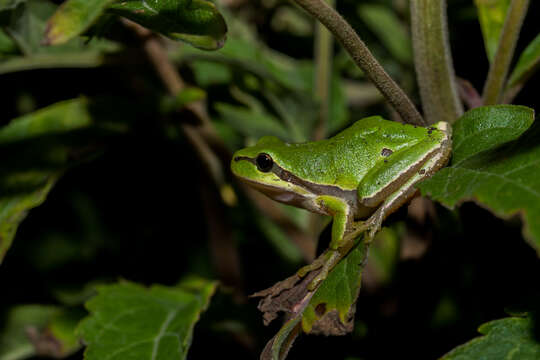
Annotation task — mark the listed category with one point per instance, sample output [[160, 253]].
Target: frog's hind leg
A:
[[402, 195]]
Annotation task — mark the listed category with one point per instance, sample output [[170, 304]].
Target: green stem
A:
[[433, 61], [323, 75], [363, 58], [498, 70]]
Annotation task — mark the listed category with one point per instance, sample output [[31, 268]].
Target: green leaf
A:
[[73, 18], [196, 22], [129, 321], [509, 338], [491, 14], [503, 179], [527, 63], [331, 309], [32, 327], [384, 23], [484, 128]]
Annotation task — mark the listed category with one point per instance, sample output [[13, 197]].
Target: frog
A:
[[358, 177]]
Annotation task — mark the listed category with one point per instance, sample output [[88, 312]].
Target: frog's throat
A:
[[350, 196]]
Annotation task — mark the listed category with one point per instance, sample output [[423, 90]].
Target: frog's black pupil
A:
[[264, 162]]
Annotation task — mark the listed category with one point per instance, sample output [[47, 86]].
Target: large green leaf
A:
[[129, 321], [491, 14], [32, 330], [72, 18], [510, 338], [197, 22], [503, 179], [527, 63]]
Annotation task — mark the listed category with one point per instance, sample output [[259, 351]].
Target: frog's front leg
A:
[[342, 220]]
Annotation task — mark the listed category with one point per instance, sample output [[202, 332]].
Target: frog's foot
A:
[[315, 265], [330, 260], [373, 225]]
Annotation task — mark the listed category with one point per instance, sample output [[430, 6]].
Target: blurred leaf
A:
[[292, 20], [55, 119], [28, 23], [527, 63], [6, 7], [73, 18], [26, 29], [384, 23], [210, 73], [34, 151], [15, 207], [384, 253], [196, 22], [285, 83], [183, 98], [32, 330], [7, 46], [130, 321], [491, 14], [504, 180], [82, 59], [509, 338], [484, 128], [252, 123], [279, 240], [251, 56]]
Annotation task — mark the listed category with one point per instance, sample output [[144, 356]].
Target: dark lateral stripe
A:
[[349, 195]]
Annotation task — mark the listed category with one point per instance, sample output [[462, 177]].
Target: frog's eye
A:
[[264, 162]]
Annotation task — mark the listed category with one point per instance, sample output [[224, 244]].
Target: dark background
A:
[[136, 212]]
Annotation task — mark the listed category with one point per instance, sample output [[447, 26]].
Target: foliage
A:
[[115, 147], [127, 320]]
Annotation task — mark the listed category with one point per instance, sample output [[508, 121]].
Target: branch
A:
[[433, 61], [498, 70], [363, 58]]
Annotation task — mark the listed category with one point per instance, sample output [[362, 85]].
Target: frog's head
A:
[[259, 166]]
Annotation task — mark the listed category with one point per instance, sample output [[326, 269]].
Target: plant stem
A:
[[498, 70], [363, 58], [433, 61], [323, 75]]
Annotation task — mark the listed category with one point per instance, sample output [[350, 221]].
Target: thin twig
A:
[[498, 70], [433, 61], [363, 58]]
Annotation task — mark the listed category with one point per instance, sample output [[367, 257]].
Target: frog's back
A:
[[344, 159]]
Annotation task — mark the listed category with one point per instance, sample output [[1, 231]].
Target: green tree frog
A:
[[359, 176]]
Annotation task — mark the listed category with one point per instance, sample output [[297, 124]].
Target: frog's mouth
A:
[[278, 194]]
